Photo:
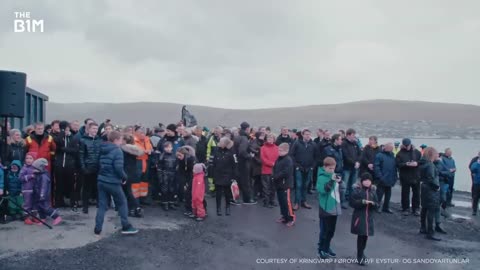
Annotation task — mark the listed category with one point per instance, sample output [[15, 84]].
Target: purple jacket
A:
[[41, 187], [27, 177]]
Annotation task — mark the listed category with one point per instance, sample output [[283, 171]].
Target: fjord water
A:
[[463, 152]]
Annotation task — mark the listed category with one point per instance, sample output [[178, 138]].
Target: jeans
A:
[[451, 182], [105, 191], [349, 178], [327, 231], [285, 205], [302, 180], [406, 187], [387, 191], [444, 187]]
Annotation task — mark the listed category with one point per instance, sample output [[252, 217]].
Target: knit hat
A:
[[244, 125], [40, 164], [63, 125], [172, 127], [32, 154], [406, 142], [423, 146], [366, 176], [198, 168]]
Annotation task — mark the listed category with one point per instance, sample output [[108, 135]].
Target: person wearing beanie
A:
[[198, 191], [171, 136], [65, 166], [386, 172], [27, 177], [41, 192], [224, 167], [364, 202], [14, 189], [256, 165], [241, 149], [407, 162]]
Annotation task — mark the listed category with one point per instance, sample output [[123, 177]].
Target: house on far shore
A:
[[35, 109]]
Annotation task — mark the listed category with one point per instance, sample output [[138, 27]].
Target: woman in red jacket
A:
[[268, 155]]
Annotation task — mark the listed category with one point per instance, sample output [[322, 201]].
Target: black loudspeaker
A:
[[12, 93]]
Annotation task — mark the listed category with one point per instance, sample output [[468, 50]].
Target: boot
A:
[[138, 212], [423, 230], [431, 236], [165, 206], [219, 211], [131, 213], [439, 229], [227, 211]]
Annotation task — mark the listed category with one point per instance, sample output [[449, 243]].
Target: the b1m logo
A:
[[24, 23]]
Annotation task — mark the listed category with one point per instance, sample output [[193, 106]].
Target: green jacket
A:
[[328, 195]]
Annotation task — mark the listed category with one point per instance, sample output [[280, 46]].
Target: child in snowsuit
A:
[[166, 171], [3, 205], [27, 177], [198, 191], [364, 201], [41, 192], [15, 190]]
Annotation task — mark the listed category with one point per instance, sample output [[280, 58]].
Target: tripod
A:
[[6, 198]]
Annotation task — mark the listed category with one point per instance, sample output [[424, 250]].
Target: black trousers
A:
[[188, 195], [415, 188], [387, 191], [62, 185], [225, 190], [133, 203], [327, 231], [258, 186], [476, 197], [268, 189], [285, 205], [427, 217], [244, 182], [86, 185], [361, 245]]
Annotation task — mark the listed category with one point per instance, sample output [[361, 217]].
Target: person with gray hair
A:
[[386, 172], [224, 167]]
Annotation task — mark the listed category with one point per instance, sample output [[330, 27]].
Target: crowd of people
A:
[[128, 168]]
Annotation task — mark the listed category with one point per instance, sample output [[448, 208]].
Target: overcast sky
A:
[[247, 54]]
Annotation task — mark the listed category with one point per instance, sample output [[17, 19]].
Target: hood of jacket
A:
[[359, 185], [132, 150], [17, 163]]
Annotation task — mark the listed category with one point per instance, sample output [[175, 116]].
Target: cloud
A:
[[247, 54]]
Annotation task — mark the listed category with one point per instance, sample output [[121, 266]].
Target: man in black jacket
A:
[[335, 151], [65, 164], [351, 164], [284, 137], [241, 143], [201, 147], [368, 156], [89, 158], [407, 162], [303, 155], [321, 144]]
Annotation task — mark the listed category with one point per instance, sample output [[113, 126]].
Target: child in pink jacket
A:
[[198, 191]]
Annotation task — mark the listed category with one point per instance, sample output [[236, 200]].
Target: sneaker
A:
[[405, 213], [281, 220], [97, 232], [290, 223], [323, 255], [251, 202], [188, 213], [200, 219], [233, 202], [306, 205], [57, 221], [331, 253], [432, 237], [440, 230], [130, 230], [138, 213], [388, 211], [416, 213], [295, 207], [28, 221], [191, 215]]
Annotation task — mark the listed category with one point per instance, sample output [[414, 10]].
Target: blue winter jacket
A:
[[111, 164], [449, 164], [475, 168], [386, 169]]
